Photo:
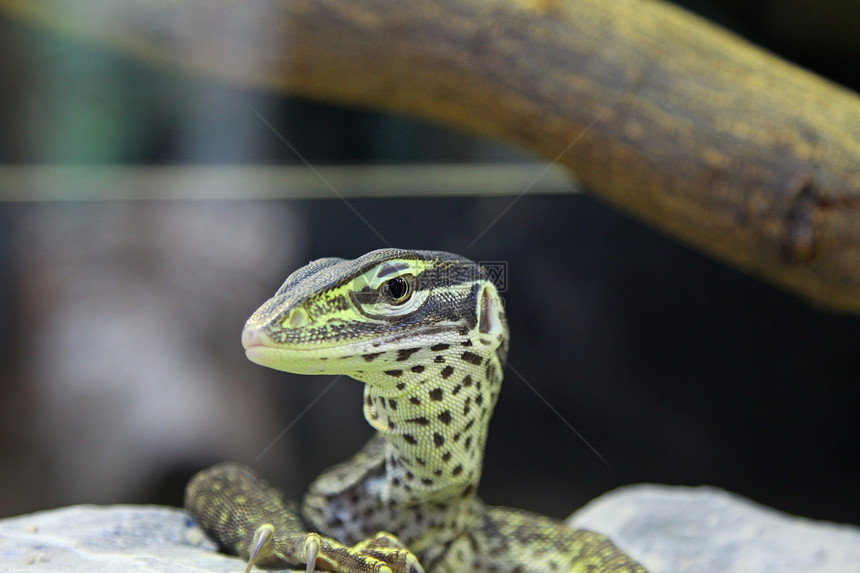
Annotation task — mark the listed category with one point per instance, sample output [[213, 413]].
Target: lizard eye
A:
[[397, 290]]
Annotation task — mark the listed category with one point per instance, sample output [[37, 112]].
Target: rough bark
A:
[[674, 120]]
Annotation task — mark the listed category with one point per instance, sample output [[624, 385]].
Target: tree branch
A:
[[691, 128]]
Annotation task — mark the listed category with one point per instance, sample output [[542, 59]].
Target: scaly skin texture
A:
[[426, 333]]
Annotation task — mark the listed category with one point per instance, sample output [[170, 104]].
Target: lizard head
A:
[[381, 312]]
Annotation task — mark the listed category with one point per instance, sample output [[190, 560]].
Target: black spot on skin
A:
[[468, 442], [467, 381], [421, 421], [446, 456], [472, 358], [447, 371], [439, 359], [405, 353], [437, 473], [410, 439], [467, 343], [457, 389], [421, 461], [391, 425], [371, 357], [392, 404], [401, 385], [440, 347], [475, 548], [436, 394], [426, 481], [468, 426], [445, 417], [394, 373], [369, 401], [415, 400], [438, 439], [479, 399], [418, 369], [467, 408], [457, 470]]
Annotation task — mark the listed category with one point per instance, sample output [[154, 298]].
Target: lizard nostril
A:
[[297, 318]]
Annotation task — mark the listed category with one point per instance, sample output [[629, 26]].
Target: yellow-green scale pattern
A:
[[426, 333]]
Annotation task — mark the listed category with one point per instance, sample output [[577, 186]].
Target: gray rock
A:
[[669, 529], [709, 530], [109, 539]]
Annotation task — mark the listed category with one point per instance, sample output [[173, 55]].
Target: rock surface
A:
[[109, 539], [709, 530], [669, 529]]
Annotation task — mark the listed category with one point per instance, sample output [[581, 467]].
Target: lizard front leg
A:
[[252, 519]]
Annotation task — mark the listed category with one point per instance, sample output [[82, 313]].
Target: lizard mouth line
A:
[[256, 340]]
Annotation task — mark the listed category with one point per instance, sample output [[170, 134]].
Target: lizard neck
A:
[[434, 418]]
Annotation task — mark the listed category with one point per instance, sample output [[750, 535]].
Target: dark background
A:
[[675, 368]]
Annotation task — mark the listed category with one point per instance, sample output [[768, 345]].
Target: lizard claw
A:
[[312, 549], [262, 538]]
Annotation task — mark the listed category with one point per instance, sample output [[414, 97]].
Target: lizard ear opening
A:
[[489, 311]]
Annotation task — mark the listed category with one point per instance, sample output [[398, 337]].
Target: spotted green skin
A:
[[431, 356]]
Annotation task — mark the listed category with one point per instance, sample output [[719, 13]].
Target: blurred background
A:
[[121, 371]]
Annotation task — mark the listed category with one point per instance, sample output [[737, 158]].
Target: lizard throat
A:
[[435, 426]]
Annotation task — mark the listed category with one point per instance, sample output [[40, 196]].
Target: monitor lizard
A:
[[426, 332]]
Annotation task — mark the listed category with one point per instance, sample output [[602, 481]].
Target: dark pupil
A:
[[397, 288]]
